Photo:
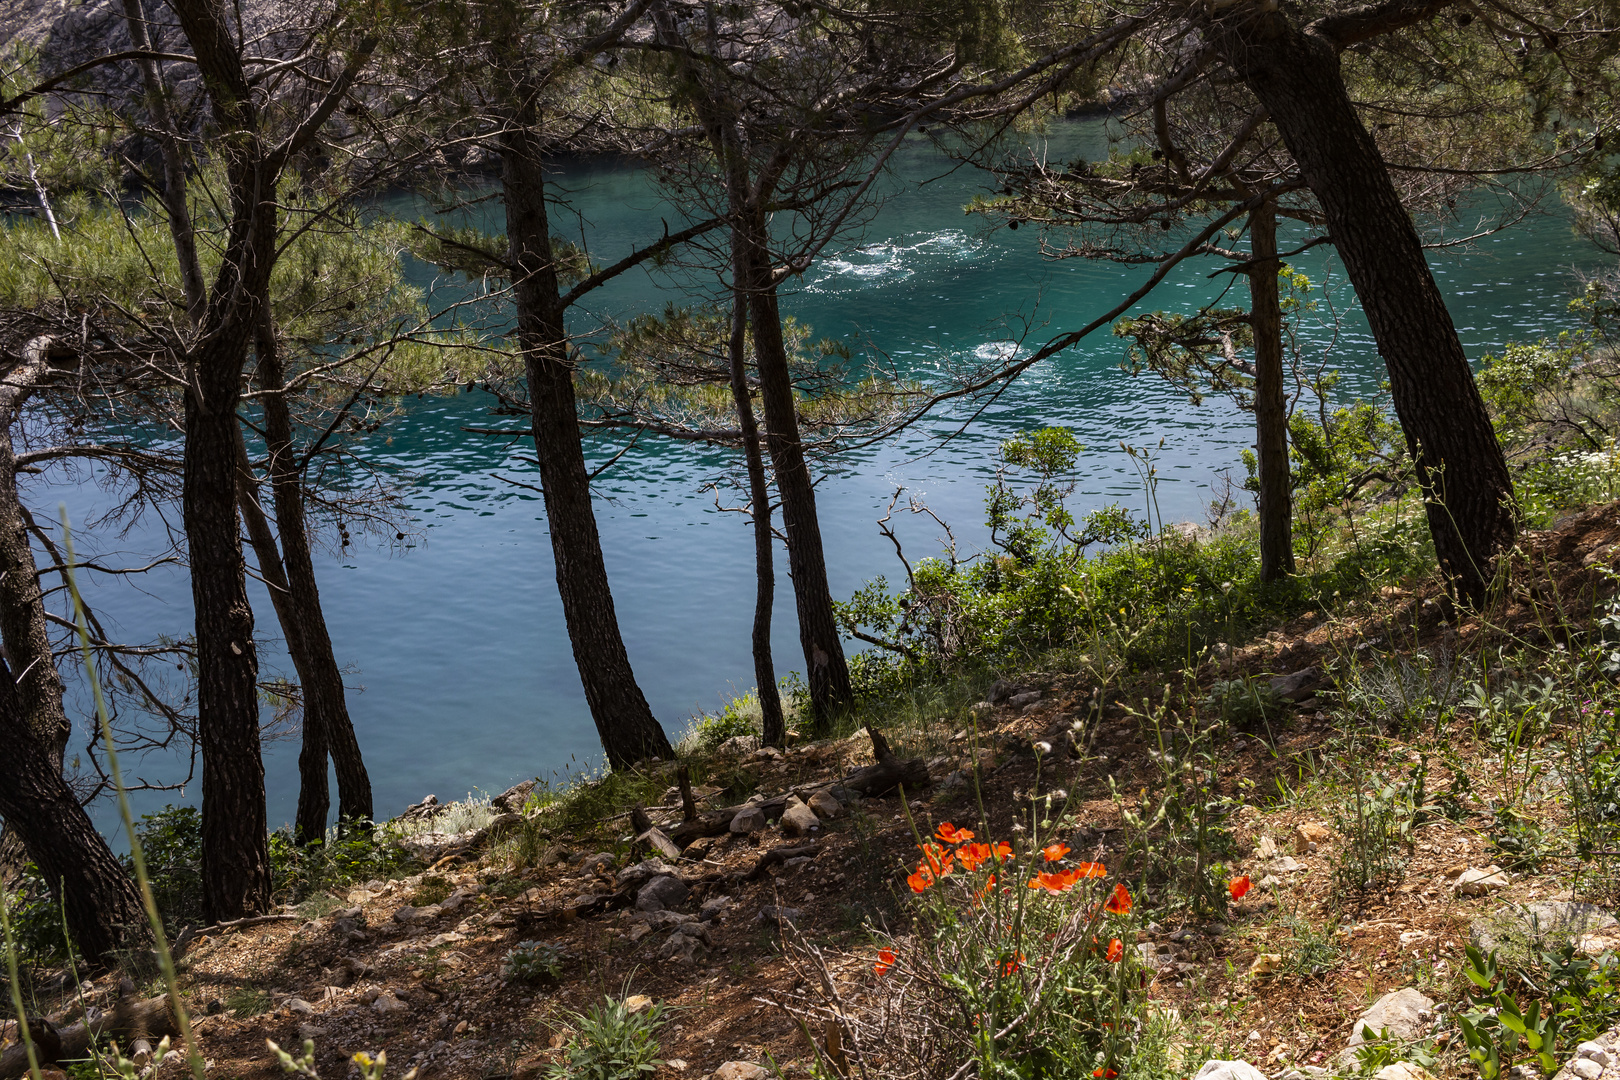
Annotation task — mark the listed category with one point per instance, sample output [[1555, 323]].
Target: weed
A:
[[741, 716], [1493, 1030], [611, 1043], [246, 1001], [318, 905], [1376, 824], [1313, 951], [1245, 703], [432, 889], [533, 962], [1178, 831]]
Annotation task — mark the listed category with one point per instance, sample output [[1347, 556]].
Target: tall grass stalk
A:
[[23, 1033], [165, 959]]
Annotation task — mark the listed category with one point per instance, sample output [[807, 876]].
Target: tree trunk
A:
[[830, 691], [235, 845], [1270, 400], [235, 855], [623, 719], [324, 693], [289, 574], [174, 167], [828, 673], [102, 907], [313, 801], [22, 607], [770, 700], [1468, 492]]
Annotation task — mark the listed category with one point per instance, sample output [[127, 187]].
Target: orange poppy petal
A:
[[1120, 902]]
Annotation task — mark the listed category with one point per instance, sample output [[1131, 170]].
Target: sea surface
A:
[[460, 673]]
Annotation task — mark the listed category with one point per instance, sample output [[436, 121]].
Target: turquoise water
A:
[[461, 672]]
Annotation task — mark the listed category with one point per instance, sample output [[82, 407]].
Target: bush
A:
[[741, 716], [1146, 600], [358, 854], [171, 840]]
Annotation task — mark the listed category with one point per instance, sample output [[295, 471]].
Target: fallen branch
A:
[[128, 1021]]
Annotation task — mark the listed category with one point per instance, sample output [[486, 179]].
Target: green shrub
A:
[[357, 854], [171, 840], [533, 962], [611, 1043], [741, 716]]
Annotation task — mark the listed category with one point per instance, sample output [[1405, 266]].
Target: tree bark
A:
[[1270, 400], [22, 606], [774, 729], [1295, 74], [103, 910], [289, 573], [827, 671], [235, 847], [628, 730], [323, 683]]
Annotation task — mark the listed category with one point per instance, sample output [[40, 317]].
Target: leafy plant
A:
[[533, 962], [1016, 961], [1178, 829], [611, 1043], [1493, 1031], [1245, 703], [433, 888], [1376, 824], [1383, 1050]]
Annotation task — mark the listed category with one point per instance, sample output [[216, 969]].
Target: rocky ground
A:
[[1282, 985]]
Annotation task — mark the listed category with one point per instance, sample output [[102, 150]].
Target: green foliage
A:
[[347, 856], [1245, 703], [1147, 599], [1376, 823], [1382, 1050], [1177, 831], [611, 1043], [1333, 457], [1314, 950], [248, 1001], [1494, 1029], [36, 919], [171, 840], [433, 888], [1586, 990], [741, 716], [533, 962]]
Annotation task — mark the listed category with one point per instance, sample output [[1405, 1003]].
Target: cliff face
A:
[[62, 33]]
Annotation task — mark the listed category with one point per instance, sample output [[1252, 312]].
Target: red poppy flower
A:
[[973, 855], [1062, 881], [1054, 852], [885, 961], [1120, 902], [950, 834], [920, 880], [936, 859], [1009, 967], [1116, 951], [1092, 869], [1104, 1074], [1002, 851], [1239, 886]]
